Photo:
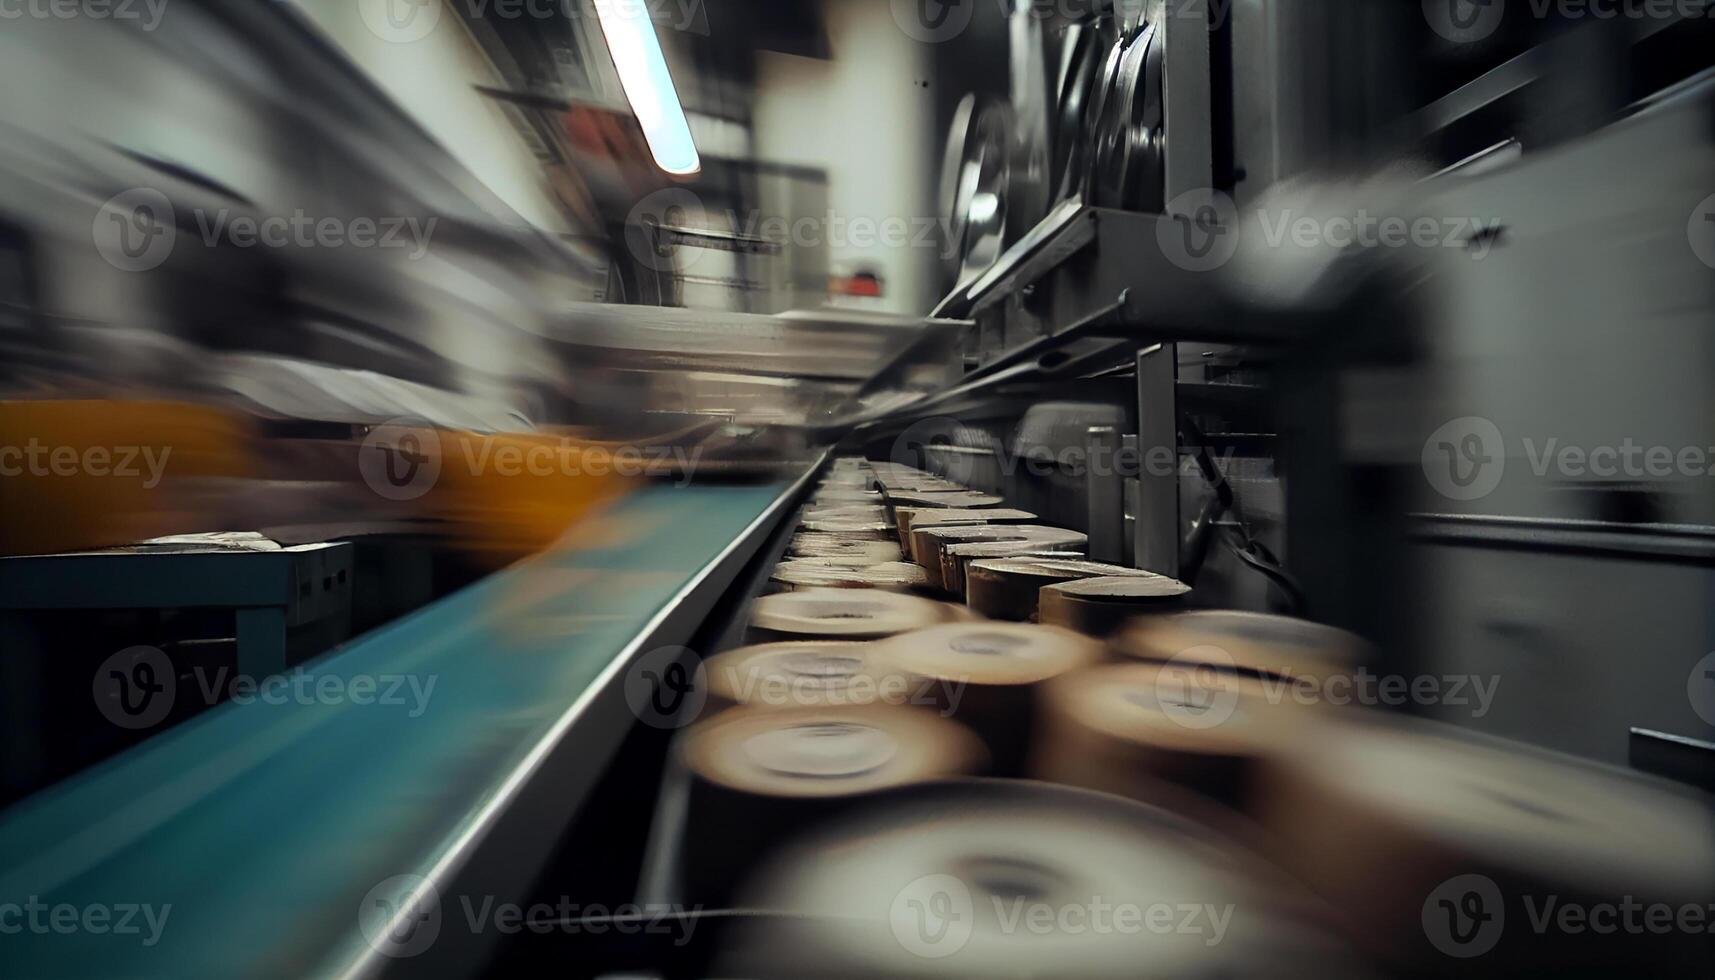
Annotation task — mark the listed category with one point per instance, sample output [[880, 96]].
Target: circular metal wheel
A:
[[1114, 142], [952, 163], [1144, 187], [1096, 118], [975, 174], [1082, 58]]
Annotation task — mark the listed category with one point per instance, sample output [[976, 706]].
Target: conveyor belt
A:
[[264, 826]]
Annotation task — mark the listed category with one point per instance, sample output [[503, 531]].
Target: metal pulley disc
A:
[[952, 163], [1095, 116], [1144, 187], [1114, 139], [975, 183], [1082, 59], [1126, 168]]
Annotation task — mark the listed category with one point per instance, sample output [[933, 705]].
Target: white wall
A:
[[865, 118], [431, 78]]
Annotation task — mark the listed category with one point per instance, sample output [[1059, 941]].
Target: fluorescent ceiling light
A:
[[643, 74]]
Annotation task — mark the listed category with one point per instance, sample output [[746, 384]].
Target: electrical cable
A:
[[1244, 545]]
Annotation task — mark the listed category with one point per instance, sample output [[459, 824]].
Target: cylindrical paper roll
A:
[[846, 614], [985, 674], [1098, 606], [1121, 728], [982, 878], [846, 497], [929, 544], [955, 558], [914, 481], [839, 573], [1258, 642], [1444, 849], [861, 526], [854, 512], [1006, 588], [760, 776], [943, 498], [924, 550], [906, 518], [871, 550]]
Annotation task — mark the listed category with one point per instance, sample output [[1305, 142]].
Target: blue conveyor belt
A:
[[259, 828]]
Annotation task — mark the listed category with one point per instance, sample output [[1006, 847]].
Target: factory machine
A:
[[1285, 548]]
